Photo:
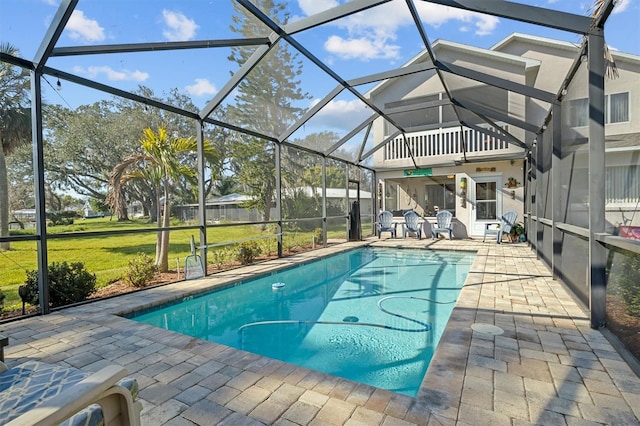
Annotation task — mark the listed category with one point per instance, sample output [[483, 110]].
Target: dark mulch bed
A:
[[119, 287], [623, 325]]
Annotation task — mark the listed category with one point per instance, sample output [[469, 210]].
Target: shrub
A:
[[2, 296], [317, 236], [268, 246], [68, 283], [629, 283], [61, 218], [221, 256], [141, 270], [248, 252], [517, 230]]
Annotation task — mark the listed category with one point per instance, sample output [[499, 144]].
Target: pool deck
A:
[[547, 367]]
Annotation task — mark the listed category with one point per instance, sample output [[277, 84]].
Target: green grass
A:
[[108, 256]]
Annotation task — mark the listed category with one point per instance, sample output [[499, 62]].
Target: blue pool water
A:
[[372, 315]]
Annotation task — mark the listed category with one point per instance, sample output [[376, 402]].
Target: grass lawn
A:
[[108, 256]]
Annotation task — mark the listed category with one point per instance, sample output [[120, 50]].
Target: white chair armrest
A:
[[116, 401]]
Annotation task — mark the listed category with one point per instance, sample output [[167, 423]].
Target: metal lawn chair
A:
[[385, 223], [443, 224], [411, 224]]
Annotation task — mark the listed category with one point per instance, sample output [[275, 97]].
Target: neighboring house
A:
[[89, 213], [336, 198], [229, 207], [226, 208], [135, 209], [484, 178]]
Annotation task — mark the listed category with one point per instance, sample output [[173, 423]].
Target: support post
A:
[[202, 205], [597, 252], [324, 201], [278, 164], [39, 190], [556, 194], [539, 196]]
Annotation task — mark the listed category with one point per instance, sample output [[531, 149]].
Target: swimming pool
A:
[[373, 315]]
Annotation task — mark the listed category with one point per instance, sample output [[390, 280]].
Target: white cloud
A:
[[436, 15], [50, 2], [371, 33], [201, 87], [362, 48], [178, 27], [82, 28], [383, 19], [486, 25], [621, 6], [340, 114], [111, 74], [311, 7]]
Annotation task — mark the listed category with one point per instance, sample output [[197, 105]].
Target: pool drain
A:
[[489, 329], [277, 286], [350, 319]]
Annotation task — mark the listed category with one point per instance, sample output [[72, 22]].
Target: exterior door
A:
[[486, 204]]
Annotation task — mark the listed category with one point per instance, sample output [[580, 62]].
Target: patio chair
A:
[[37, 393], [443, 224], [507, 220], [411, 224], [385, 223]]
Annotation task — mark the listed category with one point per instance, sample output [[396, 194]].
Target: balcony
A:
[[444, 146]]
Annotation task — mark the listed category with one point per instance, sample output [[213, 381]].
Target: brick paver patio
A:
[[546, 367]]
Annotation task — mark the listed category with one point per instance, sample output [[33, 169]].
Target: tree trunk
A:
[[154, 211], [159, 225], [266, 214], [123, 211], [4, 201], [163, 265]]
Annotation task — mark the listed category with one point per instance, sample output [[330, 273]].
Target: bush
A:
[[248, 252], [61, 218], [68, 283], [141, 270], [629, 283], [2, 296], [317, 236], [221, 256], [268, 246], [517, 230]]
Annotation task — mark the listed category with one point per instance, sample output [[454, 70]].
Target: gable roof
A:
[[536, 40], [441, 44]]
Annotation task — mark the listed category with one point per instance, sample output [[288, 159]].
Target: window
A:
[[622, 184], [391, 196], [616, 110], [440, 194], [486, 201]]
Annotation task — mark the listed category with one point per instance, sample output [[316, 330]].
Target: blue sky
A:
[[380, 39]]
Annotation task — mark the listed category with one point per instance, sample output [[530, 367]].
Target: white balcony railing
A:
[[442, 142]]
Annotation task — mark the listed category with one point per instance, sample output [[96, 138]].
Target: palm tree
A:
[[15, 125], [159, 165]]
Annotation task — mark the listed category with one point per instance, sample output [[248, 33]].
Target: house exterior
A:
[[230, 207], [430, 168]]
